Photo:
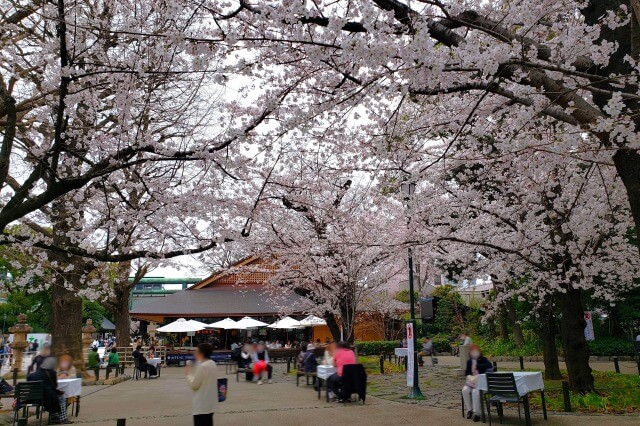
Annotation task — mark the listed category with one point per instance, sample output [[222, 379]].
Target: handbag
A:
[[5, 387], [222, 390]]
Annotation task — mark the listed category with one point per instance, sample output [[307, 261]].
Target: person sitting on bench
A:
[[310, 363], [93, 363], [260, 359], [113, 361]]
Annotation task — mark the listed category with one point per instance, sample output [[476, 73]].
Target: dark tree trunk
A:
[[502, 321], [515, 325], [120, 313], [627, 162], [576, 350], [333, 325], [66, 319], [548, 332]]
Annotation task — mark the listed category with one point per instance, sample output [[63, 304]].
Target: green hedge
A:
[[440, 342], [611, 346], [377, 347]]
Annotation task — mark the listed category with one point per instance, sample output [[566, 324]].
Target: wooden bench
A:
[[242, 370], [300, 373]]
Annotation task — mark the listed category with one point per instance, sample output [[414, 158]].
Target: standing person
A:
[[342, 356], [476, 364], [203, 380], [37, 360], [260, 358]]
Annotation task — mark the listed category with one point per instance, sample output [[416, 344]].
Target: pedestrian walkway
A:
[[167, 401]]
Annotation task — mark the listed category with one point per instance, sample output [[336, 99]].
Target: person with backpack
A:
[[310, 363]]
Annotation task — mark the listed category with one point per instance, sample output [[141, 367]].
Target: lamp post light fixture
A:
[[408, 188]]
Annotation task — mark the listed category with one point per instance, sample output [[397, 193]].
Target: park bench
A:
[[301, 373], [240, 371]]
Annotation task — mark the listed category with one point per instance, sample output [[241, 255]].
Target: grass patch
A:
[[371, 365], [615, 393]]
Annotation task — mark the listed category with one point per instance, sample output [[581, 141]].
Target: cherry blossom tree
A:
[[327, 235], [549, 230]]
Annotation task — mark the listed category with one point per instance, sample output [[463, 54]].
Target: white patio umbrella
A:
[[226, 324], [198, 324], [286, 322], [248, 322], [312, 321], [181, 325]]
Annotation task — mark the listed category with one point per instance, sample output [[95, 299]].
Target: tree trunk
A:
[[502, 320], [576, 350], [66, 318], [515, 325], [120, 313], [334, 328], [627, 162], [548, 331]]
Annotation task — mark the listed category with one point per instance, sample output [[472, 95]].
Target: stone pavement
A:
[[167, 401]]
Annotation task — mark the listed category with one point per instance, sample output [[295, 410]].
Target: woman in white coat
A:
[[203, 380]]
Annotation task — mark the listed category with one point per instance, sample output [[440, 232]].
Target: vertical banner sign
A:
[[410, 349], [588, 330]]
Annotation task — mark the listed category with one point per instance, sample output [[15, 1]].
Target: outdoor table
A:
[[401, 353], [71, 388], [323, 372], [154, 361], [526, 382]]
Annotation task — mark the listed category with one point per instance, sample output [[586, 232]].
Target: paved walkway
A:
[[167, 401]]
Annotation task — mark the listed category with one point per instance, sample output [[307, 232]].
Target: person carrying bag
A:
[[203, 380]]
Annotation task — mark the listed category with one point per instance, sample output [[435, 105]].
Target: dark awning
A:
[[213, 302]]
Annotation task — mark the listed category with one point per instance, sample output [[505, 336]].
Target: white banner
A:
[[588, 330], [410, 350]]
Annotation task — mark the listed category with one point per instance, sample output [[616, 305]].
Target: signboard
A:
[[410, 350], [588, 329], [41, 338]]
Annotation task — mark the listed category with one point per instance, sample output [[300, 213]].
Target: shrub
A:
[[441, 343], [381, 347], [611, 346]]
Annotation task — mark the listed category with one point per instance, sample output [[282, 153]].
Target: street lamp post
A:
[[408, 188]]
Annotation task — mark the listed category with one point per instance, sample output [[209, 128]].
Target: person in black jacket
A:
[[144, 366], [309, 363], [476, 364], [37, 360], [54, 401]]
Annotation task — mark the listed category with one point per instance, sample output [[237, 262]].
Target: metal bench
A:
[[300, 373]]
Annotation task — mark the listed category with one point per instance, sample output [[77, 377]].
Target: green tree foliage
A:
[[449, 318]]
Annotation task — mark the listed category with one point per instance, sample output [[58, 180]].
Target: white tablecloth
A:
[[154, 361], [325, 371], [71, 387], [401, 351], [525, 381]]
